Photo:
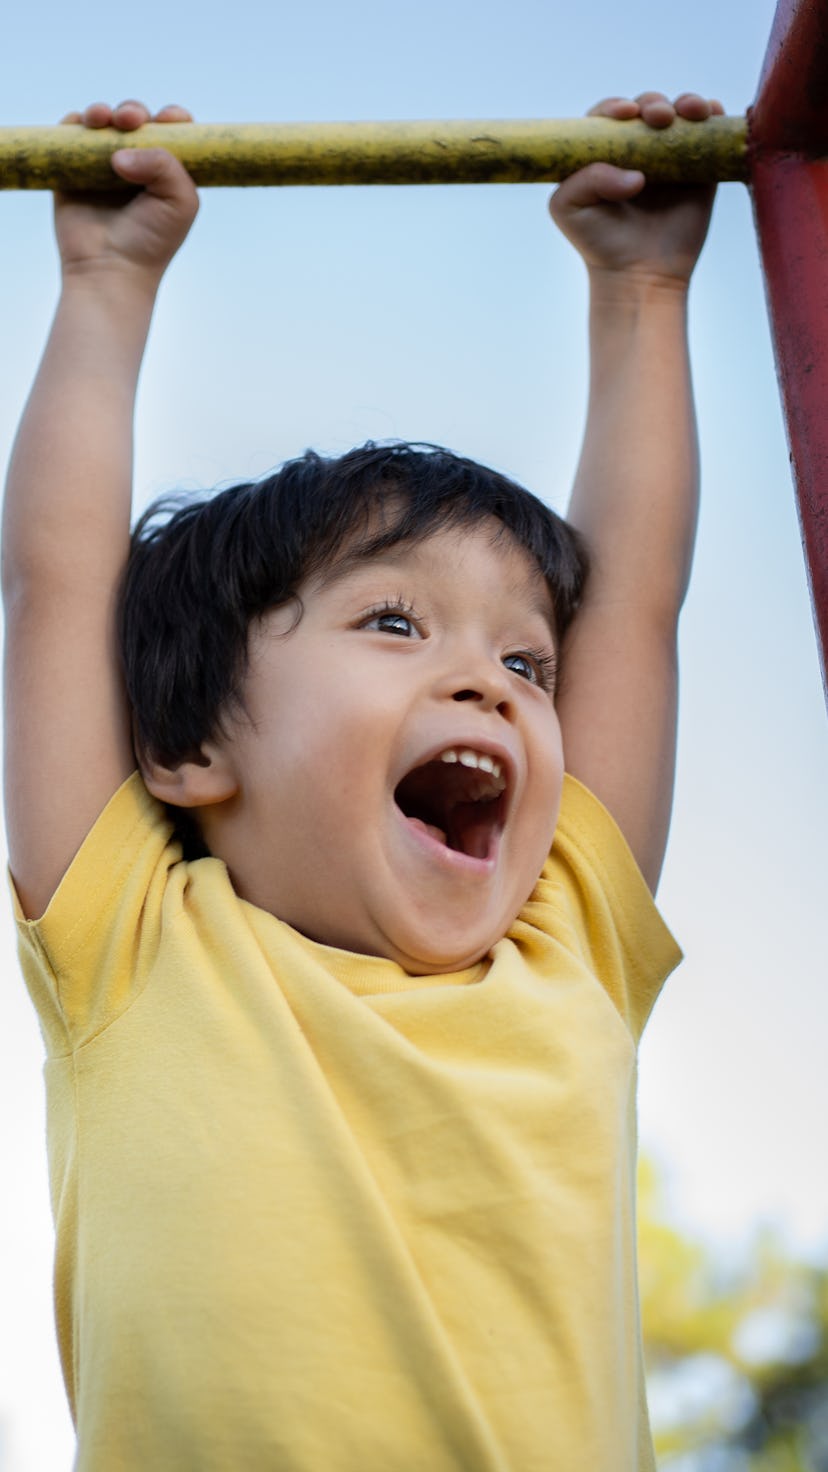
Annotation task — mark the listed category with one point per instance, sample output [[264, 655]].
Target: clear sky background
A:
[[326, 317]]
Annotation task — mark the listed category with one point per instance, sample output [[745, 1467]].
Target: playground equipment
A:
[[780, 150], [478, 152]]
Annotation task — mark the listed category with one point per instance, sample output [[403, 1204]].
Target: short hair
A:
[[202, 570]]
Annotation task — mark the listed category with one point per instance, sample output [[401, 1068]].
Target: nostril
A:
[[467, 695]]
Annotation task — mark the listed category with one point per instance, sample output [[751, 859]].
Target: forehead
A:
[[485, 554]]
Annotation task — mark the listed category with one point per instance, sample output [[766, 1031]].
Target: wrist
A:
[[637, 286], [102, 319], [111, 280]]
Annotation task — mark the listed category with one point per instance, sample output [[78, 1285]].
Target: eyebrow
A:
[[546, 611], [349, 561], [542, 602]]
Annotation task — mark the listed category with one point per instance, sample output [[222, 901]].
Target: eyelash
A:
[[546, 667], [390, 608], [545, 663]]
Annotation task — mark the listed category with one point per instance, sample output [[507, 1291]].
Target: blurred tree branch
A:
[[737, 1356]]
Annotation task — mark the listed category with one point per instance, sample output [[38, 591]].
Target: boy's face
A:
[[398, 768]]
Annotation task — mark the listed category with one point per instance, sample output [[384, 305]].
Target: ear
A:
[[206, 778]]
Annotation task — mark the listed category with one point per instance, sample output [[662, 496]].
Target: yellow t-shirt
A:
[[316, 1215]]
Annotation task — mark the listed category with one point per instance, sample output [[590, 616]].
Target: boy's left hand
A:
[[618, 222]]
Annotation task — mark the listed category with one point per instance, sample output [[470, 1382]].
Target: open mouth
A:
[[459, 798]]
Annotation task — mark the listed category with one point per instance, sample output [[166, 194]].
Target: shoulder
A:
[[592, 896], [83, 957], [132, 827]]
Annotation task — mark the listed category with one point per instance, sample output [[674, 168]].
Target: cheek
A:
[[319, 758], [546, 778], [546, 749]]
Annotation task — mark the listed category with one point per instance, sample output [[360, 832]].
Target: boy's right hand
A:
[[140, 230]]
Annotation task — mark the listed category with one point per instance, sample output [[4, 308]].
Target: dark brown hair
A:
[[202, 570]]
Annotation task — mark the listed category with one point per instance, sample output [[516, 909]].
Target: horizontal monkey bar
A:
[[471, 152]]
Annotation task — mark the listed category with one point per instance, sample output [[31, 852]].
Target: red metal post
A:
[[791, 107], [789, 183], [790, 196]]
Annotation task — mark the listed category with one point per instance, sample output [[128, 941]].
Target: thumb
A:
[[156, 171], [596, 184]]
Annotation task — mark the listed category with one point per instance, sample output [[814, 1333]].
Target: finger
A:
[[614, 107], [691, 105], [158, 172], [656, 109], [644, 97], [694, 108], [596, 184], [96, 115], [129, 115], [172, 113]]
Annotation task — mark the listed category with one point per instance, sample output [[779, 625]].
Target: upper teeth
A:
[[468, 758]]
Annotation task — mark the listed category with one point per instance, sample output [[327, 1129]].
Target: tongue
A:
[[470, 829], [430, 829]]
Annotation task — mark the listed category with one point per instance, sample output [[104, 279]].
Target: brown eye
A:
[[539, 668], [522, 665], [393, 618], [392, 623]]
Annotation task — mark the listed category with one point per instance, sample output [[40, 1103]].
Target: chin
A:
[[428, 959], [430, 949]]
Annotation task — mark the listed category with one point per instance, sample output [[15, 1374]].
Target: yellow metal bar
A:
[[487, 152]]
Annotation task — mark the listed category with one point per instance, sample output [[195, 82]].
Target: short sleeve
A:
[[90, 952], [594, 896]]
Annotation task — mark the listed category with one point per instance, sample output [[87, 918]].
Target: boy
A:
[[341, 1098]]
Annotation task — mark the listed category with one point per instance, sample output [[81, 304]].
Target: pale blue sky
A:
[[457, 315]]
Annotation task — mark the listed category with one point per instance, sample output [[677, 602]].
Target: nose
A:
[[503, 707], [487, 684]]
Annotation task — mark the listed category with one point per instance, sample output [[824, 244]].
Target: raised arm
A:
[[636, 488], [67, 512]]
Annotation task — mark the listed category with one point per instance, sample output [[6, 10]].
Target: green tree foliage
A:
[[737, 1355]]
